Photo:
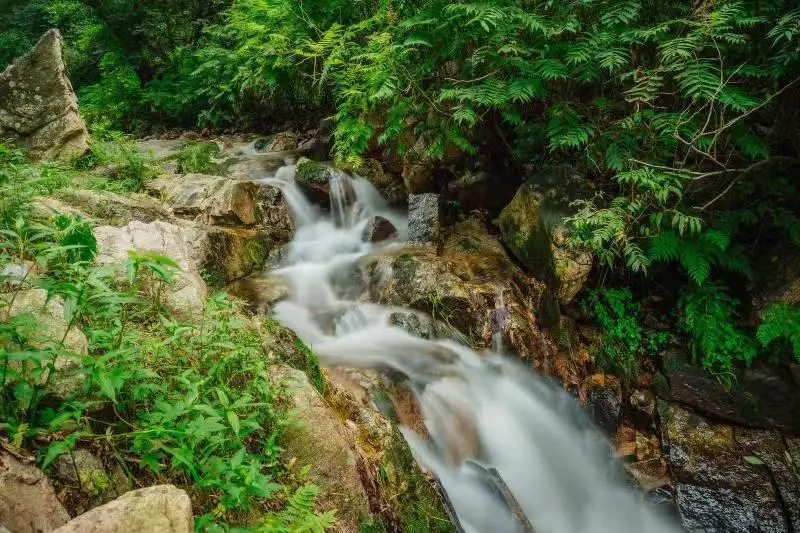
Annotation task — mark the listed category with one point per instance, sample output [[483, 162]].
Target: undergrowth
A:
[[184, 402]]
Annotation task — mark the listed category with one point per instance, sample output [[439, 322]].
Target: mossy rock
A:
[[417, 504], [533, 228]]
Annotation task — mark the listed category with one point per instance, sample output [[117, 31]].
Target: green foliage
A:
[[624, 338], [305, 360], [190, 403], [123, 167], [708, 316], [781, 323], [298, 515], [199, 158]]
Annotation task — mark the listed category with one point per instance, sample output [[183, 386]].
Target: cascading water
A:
[[486, 415]]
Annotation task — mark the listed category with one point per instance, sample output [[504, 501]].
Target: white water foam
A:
[[482, 412]]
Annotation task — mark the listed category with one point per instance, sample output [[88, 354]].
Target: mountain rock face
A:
[[38, 108]]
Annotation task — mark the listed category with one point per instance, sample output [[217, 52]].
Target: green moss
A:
[[661, 385], [419, 506], [308, 363], [311, 172]]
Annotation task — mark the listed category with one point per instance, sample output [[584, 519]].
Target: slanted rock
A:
[[51, 326], [159, 509], [388, 184], [115, 209], [424, 218], [38, 108], [533, 229], [28, 503], [719, 488], [605, 404], [280, 142], [213, 199], [763, 397], [472, 287], [321, 441], [379, 229]]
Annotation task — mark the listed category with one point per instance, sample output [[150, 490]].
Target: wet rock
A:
[[605, 404], [314, 179], [768, 447], [718, 489], [388, 184], [280, 142], [115, 209], [28, 503], [159, 509], [407, 499], [765, 397], [424, 214], [379, 229], [461, 289], [642, 409], [533, 229], [38, 108], [320, 440], [48, 330], [650, 474]]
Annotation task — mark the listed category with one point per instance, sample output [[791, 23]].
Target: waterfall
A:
[[487, 416]]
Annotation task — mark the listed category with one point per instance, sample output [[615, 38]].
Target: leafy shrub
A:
[[200, 158], [192, 403], [708, 316], [624, 339], [781, 322], [127, 169]]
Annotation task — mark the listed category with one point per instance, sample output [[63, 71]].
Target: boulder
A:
[[280, 142], [418, 169], [158, 509], [605, 404], [533, 229], [38, 108], [407, 499], [320, 440], [379, 229], [473, 287], [213, 199], [50, 327], [776, 276], [28, 503], [424, 218], [763, 397], [719, 487], [84, 472], [388, 184], [314, 179], [186, 295]]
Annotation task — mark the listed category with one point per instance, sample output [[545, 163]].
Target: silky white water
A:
[[481, 411]]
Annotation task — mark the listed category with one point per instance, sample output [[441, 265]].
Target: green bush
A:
[[624, 339], [193, 403]]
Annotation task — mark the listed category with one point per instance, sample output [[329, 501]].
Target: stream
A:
[[512, 451]]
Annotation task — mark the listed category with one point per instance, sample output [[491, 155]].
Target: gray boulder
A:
[[159, 509], [424, 218], [38, 108]]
